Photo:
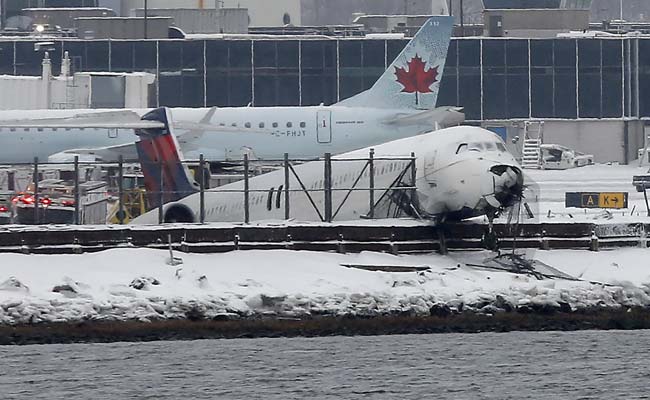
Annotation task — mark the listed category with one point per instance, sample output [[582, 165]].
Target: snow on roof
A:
[[123, 18], [19, 77], [45, 9]]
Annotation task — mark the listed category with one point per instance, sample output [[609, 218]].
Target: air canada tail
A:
[[165, 177], [413, 79]]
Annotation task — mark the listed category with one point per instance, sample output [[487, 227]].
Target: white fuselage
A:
[[449, 179], [267, 132], [407, 88]]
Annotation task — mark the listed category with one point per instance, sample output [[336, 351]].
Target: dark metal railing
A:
[[404, 183]]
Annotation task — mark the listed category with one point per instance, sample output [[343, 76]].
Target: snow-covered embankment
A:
[[139, 284]]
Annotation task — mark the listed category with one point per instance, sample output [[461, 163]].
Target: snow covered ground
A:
[[140, 284], [547, 188]]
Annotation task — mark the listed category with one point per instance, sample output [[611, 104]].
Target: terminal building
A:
[[584, 89]]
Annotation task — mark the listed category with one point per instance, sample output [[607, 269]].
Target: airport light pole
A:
[[146, 12], [3, 6], [621, 9], [462, 19]]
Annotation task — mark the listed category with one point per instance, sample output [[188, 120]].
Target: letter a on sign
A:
[[588, 200]]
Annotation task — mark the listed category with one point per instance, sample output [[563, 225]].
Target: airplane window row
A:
[[222, 209], [215, 210], [275, 124], [234, 125], [49, 129], [262, 124]]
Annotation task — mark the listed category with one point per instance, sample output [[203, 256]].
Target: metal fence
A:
[[71, 196]]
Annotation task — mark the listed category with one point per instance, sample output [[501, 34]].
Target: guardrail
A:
[[155, 199], [353, 237]]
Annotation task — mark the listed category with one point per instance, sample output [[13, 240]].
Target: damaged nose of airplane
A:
[[508, 185]]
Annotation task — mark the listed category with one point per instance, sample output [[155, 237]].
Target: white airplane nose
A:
[[507, 183]]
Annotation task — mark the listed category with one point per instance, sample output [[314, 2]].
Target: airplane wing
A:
[[444, 116], [127, 119], [128, 152], [121, 119]]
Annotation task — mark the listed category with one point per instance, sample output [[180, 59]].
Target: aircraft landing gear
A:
[[443, 240], [490, 240]]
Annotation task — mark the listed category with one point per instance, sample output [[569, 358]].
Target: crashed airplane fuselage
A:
[[460, 172]]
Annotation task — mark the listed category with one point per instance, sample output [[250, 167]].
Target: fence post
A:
[[202, 190], [286, 186], [246, 193], [36, 197], [77, 195], [643, 237], [545, 243], [120, 189], [593, 244], [371, 184], [327, 183], [161, 194], [413, 178]]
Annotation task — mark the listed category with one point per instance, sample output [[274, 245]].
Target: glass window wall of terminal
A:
[[492, 78], [469, 76], [318, 77]]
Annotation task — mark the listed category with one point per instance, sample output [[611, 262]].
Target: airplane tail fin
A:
[[160, 159], [413, 79]]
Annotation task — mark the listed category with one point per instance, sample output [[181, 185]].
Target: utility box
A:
[[495, 26]]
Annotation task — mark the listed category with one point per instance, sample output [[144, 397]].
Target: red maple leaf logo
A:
[[416, 79]]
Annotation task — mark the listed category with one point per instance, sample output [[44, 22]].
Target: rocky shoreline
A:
[[440, 320]]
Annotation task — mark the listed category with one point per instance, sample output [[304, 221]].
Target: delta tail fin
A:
[[413, 79], [160, 158]]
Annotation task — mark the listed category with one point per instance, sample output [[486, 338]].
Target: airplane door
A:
[[324, 126], [430, 167]]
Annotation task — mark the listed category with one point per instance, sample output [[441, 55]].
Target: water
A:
[[536, 365]]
